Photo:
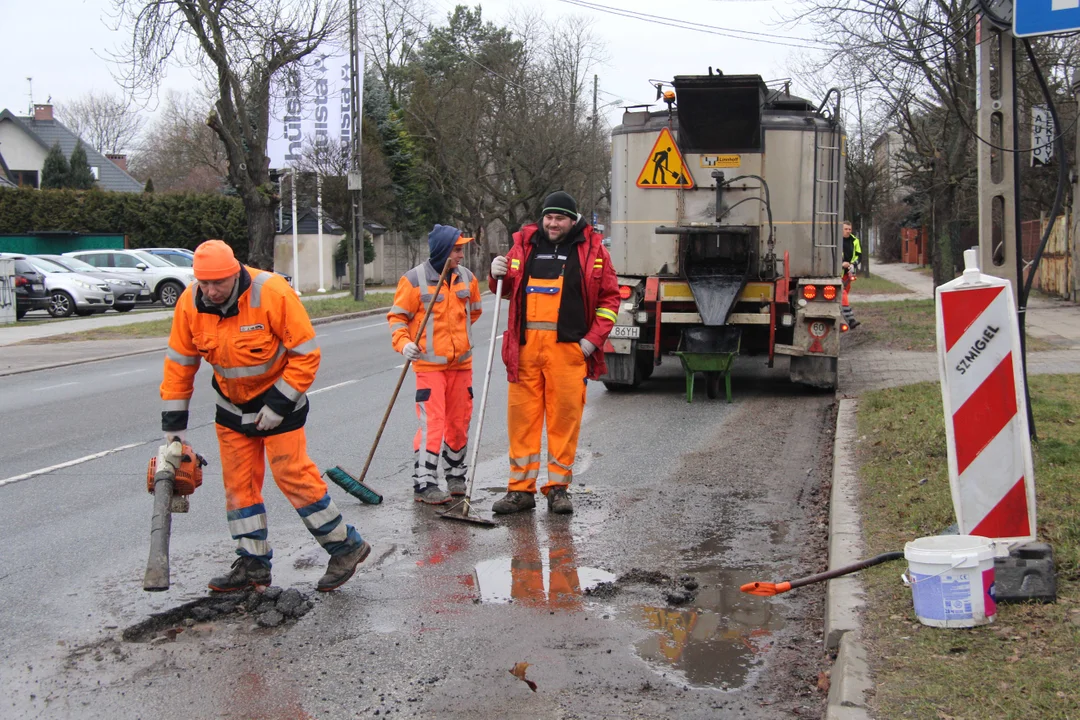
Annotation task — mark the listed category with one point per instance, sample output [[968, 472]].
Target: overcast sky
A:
[[63, 45]]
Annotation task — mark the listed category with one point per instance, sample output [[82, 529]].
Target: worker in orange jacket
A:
[[564, 300], [254, 332], [442, 359]]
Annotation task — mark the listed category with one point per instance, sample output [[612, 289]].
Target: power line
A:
[[697, 27]]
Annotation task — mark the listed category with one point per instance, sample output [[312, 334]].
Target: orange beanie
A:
[[214, 260]]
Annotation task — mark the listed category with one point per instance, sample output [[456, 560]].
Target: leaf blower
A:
[[171, 477]]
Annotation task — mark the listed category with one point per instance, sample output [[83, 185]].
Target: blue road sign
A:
[[1045, 17]]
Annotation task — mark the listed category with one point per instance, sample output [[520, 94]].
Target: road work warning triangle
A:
[[664, 167]]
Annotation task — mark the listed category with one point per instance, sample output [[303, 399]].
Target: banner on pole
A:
[[982, 390]]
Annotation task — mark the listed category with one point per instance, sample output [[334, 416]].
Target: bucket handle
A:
[[908, 582]]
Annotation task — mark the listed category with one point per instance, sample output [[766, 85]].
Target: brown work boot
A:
[[559, 501], [247, 571], [514, 501], [342, 567]]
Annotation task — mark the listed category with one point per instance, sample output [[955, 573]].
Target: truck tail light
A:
[[844, 327], [624, 291], [809, 291], [829, 293]]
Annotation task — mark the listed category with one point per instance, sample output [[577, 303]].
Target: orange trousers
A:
[[527, 571], [243, 468], [444, 400], [550, 390]]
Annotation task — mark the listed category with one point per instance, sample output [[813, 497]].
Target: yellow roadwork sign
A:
[[664, 167]]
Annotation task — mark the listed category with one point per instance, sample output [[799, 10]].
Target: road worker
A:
[[564, 300], [252, 329], [442, 359], [852, 255]]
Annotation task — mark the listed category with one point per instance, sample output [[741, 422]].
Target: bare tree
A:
[[393, 30], [103, 121], [241, 45], [179, 151]]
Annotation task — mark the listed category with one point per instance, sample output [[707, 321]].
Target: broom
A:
[[343, 478]]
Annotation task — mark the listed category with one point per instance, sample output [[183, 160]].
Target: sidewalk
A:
[[866, 368]]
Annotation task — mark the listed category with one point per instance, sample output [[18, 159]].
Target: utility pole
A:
[[355, 180], [595, 81], [1076, 190]]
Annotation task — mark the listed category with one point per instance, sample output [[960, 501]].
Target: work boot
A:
[[342, 567], [853, 324], [430, 494], [514, 501], [247, 571], [559, 501], [456, 486]]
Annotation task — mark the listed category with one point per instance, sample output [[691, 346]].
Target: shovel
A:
[[768, 589], [460, 510]]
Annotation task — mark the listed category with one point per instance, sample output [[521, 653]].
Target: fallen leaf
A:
[[518, 671], [823, 681]]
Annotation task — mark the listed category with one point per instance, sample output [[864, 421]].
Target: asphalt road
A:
[[431, 625]]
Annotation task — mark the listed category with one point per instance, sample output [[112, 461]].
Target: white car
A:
[[72, 292], [165, 280]]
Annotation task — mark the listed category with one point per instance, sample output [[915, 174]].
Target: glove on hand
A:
[[587, 348], [411, 351], [267, 419], [499, 266]]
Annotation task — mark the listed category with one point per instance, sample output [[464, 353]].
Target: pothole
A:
[[270, 607]]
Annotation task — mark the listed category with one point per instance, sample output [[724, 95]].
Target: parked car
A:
[[30, 293], [127, 292], [166, 281], [177, 256], [72, 292]]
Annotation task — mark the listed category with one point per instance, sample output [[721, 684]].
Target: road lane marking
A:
[[331, 387], [366, 327], [69, 463], [53, 387], [127, 372]]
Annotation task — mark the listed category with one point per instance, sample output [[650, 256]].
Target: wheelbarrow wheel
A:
[[713, 383]]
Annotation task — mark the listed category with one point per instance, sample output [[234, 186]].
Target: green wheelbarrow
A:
[[709, 350]]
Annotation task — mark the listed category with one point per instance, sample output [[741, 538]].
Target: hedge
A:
[[147, 219]]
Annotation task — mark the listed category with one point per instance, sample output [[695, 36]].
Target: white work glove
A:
[[499, 266], [267, 419], [587, 348], [411, 351]]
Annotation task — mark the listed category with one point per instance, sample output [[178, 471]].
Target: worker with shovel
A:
[[564, 300], [441, 355], [254, 332]]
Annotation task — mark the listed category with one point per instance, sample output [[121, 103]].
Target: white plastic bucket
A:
[[952, 580]]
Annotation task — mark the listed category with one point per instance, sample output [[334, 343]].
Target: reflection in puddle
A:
[[540, 583], [716, 642]]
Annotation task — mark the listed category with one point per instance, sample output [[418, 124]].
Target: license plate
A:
[[626, 331], [108, 299], [144, 291]]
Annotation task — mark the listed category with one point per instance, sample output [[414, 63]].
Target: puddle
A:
[[716, 640], [549, 582]]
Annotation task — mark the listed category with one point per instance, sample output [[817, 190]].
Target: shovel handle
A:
[[484, 392]]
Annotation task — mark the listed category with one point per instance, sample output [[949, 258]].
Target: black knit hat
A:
[[560, 203]]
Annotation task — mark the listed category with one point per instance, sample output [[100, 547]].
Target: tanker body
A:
[[729, 238]]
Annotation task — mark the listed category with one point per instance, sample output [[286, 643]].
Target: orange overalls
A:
[[527, 570], [551, 387], [444, 393]]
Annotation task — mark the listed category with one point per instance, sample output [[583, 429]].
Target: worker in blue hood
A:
[[441, 356]]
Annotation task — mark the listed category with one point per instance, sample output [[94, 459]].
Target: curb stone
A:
[[845, 596]]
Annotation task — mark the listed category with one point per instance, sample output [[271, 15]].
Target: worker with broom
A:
[[564, 300], [441, 354], [254, 332]]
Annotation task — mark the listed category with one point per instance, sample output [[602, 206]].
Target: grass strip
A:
[[1025, 665], [877, 285]]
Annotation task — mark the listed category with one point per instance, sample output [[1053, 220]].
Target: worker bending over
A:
[[442, 359], [251, 328], [564, 300]]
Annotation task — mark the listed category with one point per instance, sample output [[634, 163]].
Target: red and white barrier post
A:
[[982, 389]]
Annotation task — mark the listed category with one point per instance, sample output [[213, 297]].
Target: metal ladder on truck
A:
[[826, 211]]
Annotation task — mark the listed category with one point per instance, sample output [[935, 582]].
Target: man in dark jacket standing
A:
[[564, 300]]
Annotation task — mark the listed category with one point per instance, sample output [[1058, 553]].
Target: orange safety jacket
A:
[[447, 343], [262, 349]]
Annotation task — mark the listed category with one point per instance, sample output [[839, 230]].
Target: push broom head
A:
[[354, 487]]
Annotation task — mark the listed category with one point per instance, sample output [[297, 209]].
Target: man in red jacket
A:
[[564, 300]]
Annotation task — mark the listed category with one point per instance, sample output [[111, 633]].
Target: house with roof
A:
[[25, 141]]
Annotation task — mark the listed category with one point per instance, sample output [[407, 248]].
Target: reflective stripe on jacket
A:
[[447, 343], [263, 351], [600, 287]]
